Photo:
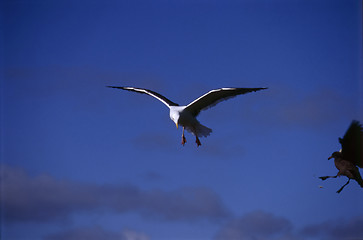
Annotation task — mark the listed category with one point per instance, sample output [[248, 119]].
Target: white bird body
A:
[[175, 112], [188, 121], [186, 115]]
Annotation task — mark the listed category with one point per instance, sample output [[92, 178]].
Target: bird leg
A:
[[326, 177], [184, 140], [343, 186], [197, 141], [196, 137]]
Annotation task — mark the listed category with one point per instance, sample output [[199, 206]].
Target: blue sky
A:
[[80, 160]]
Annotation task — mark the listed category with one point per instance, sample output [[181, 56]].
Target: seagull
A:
[[186, 115], [350, 156]]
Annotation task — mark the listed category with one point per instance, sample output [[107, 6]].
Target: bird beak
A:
[[176, 125], [330, 157]]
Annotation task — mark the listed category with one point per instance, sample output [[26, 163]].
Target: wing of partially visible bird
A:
[[215, 96], [352, 144], [156, 95]]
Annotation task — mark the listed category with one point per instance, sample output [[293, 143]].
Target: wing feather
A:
[[352, 144], [156, 95], [215, 96]]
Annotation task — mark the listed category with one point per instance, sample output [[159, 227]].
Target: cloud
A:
[[83, 86], [154, 140], [289, 106], [316, 108], [43, 198], [152, 176], [341, 229], [261, 225], [257, 225], [95, 233], [132, 235]]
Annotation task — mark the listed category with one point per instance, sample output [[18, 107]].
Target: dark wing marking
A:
[[352, 144], [156, 95], [215, 96]]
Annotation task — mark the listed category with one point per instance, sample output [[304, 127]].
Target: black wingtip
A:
[[115, 87], [356, 123], [258, 89], [261, 88]]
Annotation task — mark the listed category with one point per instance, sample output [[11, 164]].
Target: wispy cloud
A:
[[44, 198], [154, 140], [259, 225], [289, 106], [83, 86], [96, 233], [342, 229], [152, 176]]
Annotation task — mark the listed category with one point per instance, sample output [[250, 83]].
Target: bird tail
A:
[[201, 130]]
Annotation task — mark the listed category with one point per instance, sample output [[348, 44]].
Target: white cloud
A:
[[257, 225], [340, 229], [44, 198], [261, 225], [96, 233], [129, 234]]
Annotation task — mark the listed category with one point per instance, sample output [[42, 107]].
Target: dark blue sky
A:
[[82, 160]]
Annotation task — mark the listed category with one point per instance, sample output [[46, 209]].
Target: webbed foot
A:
[[184, 140], [197, 141]]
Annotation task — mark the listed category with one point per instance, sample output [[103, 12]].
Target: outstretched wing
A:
[[352, 144], [215, 96], [156, 95]]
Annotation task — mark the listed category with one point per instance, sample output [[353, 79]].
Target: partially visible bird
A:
[[186, 115], [350, 156]]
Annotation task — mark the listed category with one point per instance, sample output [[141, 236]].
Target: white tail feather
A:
[[199, 130]]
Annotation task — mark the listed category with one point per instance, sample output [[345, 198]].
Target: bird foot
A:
[[184, 140], [198, 142], [326, 177], [341, 189]]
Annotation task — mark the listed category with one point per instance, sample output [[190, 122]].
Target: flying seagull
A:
[[186, 115], [350, 156]]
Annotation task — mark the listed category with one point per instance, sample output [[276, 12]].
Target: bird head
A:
[[335, 155]]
